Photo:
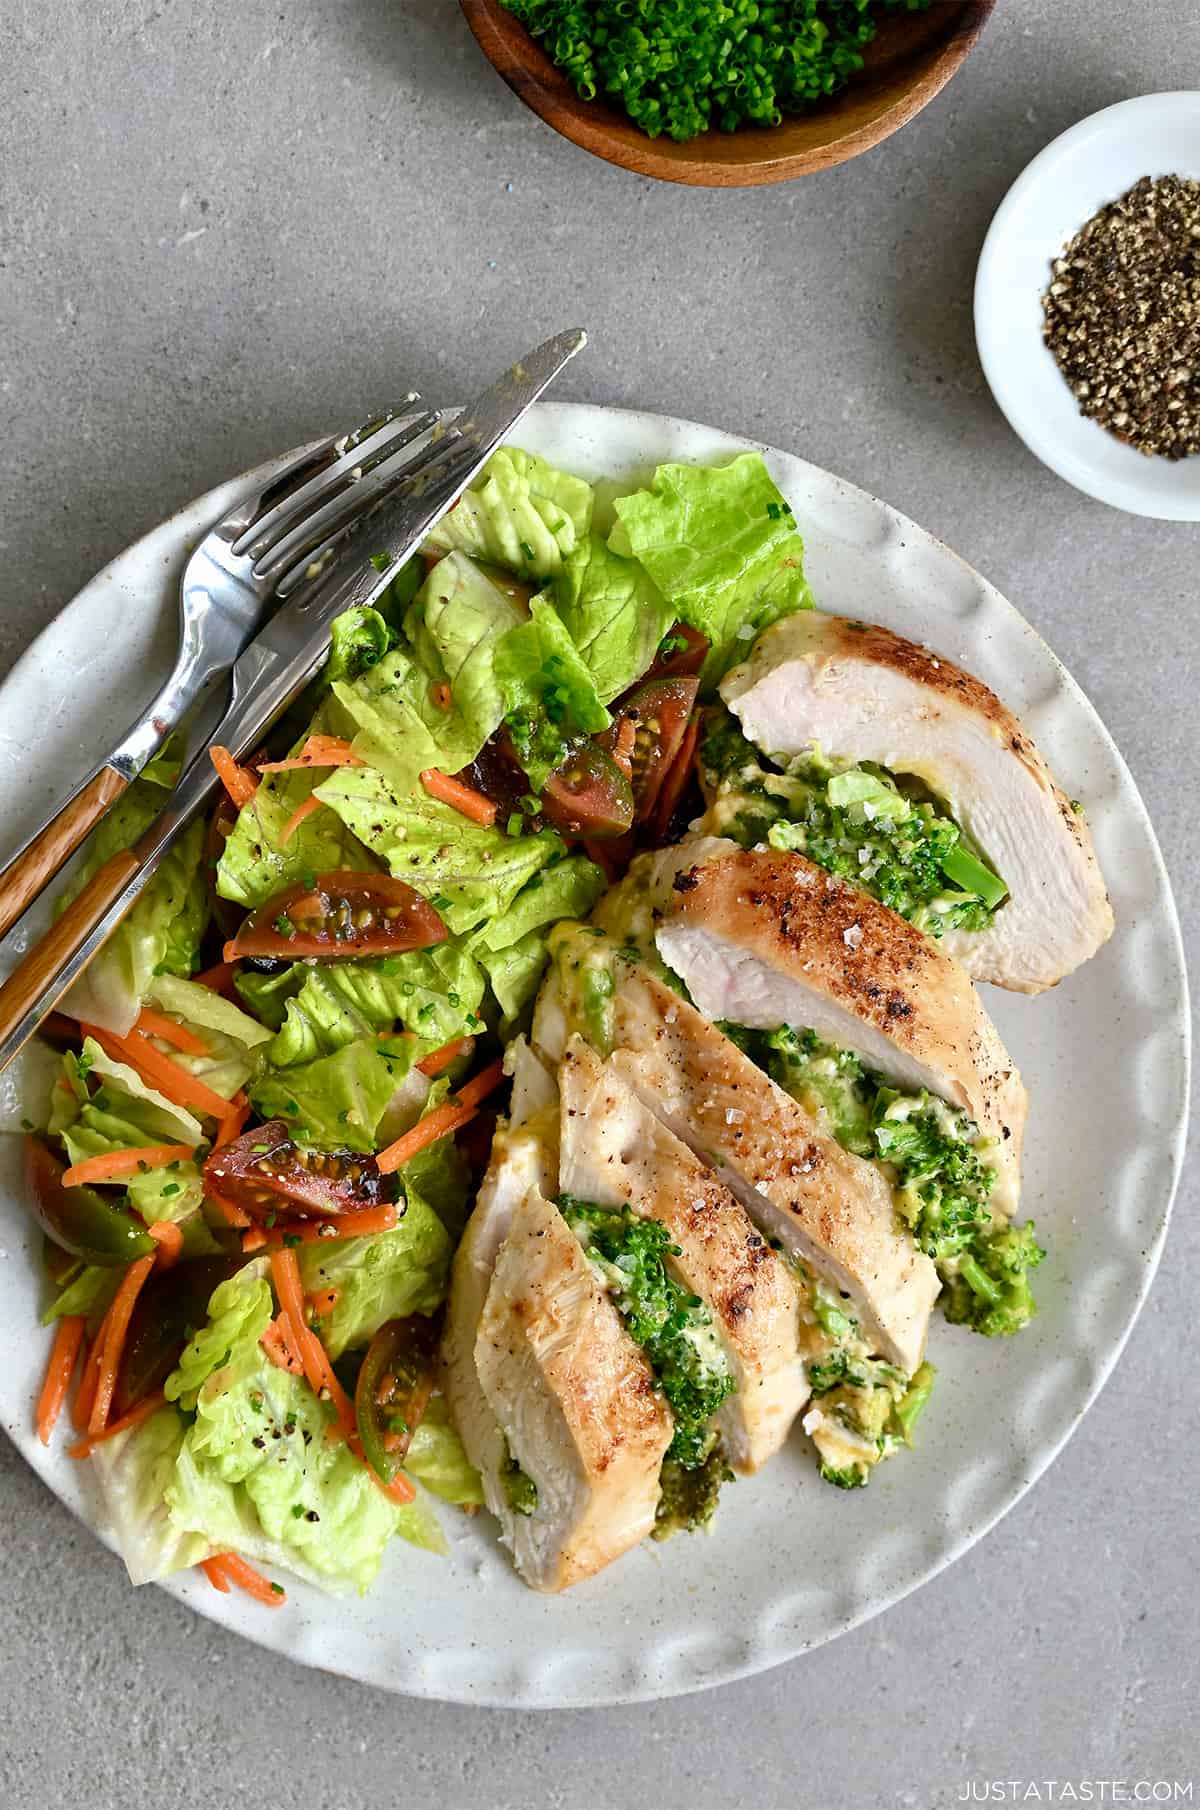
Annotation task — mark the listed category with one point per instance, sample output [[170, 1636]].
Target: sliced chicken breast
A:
[[522, 1161], [574, 1404], [830, 1210], [860, 691], [616, 1153], [762, 939]]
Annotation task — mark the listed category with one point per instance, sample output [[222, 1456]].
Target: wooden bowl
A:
[[913, 56]]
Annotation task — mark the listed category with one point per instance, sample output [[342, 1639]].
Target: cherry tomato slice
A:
[[272, 1178], [170, 1306], [82, 1221], [659, 712], [588, 795], [682, 651], [395, 1382], [340, 917]]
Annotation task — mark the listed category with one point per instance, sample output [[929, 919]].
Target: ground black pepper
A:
[[1122, 316]]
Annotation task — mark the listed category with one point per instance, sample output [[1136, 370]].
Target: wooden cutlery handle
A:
[[34, 976], [38, 862]]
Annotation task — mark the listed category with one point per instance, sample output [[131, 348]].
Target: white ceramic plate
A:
[[792, 1562], [1093, 163]]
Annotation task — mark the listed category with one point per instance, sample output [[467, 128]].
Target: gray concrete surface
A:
[[224, 228]]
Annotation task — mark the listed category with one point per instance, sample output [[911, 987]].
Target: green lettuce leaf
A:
[[467, 872], [267, 994], [514, 973], [520, 513], [161, 934], [399, 728], [721, 545], [568, 889], [134, 1470], [92, 1288], [549, 696], [27, 1087], [234, 1039], [614, 612], [334, 1102], [254, 864], [438, 1176], [256, 1470], [456, 622], [382, 1278], [359, 639], [434, 992], [437, 1461]]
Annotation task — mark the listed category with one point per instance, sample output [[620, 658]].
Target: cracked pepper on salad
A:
[[553, 1071]]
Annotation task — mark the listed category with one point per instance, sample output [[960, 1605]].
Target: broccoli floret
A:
[[519, 1488], [853, 1476], [911, 1405], [990, 1290], [688, 1500]]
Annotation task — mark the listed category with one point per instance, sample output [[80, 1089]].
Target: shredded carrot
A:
[[239, 782], [324, 1301], [149, 1405], [216, 1577], [481, 1085], [438, 1061], [676, 777], [436, 1124], [364, 1222], [624, 745], [116, 1325], [219, 979], [169, 1240], [115, 1165], [441, 693], [233, 1121], [157, 1024], [60, 1368], [85, 1395], [285, 1273], [465, 799], [233, 1216], [159, 1070], [311, 803], [318, 751], [278, 1346], [236, 1571], [400, 1489]]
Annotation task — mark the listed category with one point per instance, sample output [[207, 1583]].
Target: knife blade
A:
[[274, 668]]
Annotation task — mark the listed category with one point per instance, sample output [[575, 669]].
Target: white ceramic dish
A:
[[792, 1562], [1091, 164]]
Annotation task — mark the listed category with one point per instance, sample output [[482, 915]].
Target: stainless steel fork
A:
[[229, 587]]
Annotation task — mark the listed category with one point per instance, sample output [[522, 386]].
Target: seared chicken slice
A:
[[830, 1210], [762, 939], [522, 1161], [574, 1404], [615, 1153], [858, 690]]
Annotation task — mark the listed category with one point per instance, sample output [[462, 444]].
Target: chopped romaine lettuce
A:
[[520, 513], [385, 1277], [468, 872], [721, 545], [455, 623], [567, 889], [549, 696], [399, 725], [134, 1470], [436, 1459], [334, 1102], [514, 972], [614, 612], [233, 1038], [433, 992]]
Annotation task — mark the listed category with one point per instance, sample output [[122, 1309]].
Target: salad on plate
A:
[[555, 1071]]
